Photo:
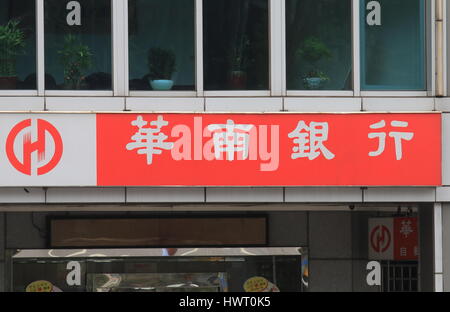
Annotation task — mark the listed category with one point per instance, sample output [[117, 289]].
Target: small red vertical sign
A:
[[405, 239]]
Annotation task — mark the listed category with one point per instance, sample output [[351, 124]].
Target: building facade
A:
[[216, 145]]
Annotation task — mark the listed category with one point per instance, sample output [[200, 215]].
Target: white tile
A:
[[443, 194], [165, 104], [22, 195], [263, 104], [389, 104], [400, 194], [324, 195], [322, 104], [85, 104], [442, 104], [165, 195], [238, 194], [21, 103], [85, 195]]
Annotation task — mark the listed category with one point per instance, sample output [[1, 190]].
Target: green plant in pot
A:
[[161, 65], [76, 59], [12, 44], [312, 51]]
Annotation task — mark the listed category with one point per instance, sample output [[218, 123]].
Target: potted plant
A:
[[75, 58], [312, 51], [238, 60], [161, 65], [11, 44]]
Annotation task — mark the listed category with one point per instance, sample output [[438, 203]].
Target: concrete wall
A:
[[446, 245]]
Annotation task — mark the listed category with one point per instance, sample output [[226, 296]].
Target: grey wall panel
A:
[[446, 245], [400, 194], [86, 195], [426, 249], [330, 235], [318, 104], [446, 149], [448, 47], [2, 277], [74, 104], [443, 194], [166, 195], [22, 195], [442, 104], [21, 103], [2, 237], [288, 229], [247, 194], [261, 104], [165, 104], [360, 236], [398, 104], [330, 275], [323, 194], [360, 276], [25, 230]]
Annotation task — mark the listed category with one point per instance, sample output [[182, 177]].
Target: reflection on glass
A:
[[159, 282], [319, 44], [236, 45], [217, 269], [161, 44], [78, 45], [392, 45], [17, 44]]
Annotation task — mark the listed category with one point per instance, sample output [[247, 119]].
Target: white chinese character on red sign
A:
[[310, 140], [149, 141], [398, 137], [230, 138], [403, 251], [406, 228]]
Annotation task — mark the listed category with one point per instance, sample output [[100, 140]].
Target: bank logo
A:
[[47, 148], [380, 238]]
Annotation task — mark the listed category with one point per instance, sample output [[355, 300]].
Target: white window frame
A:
[[355, 62], [33, 92], [115, 57], [277, 59], [198, 45], [429, 60], [273, 19]]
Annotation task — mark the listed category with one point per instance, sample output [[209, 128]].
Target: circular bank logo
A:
[[34, 147]]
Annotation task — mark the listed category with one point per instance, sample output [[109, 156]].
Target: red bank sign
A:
[[172, 149]]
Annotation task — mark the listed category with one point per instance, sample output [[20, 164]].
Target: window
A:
[[392, 45], [78, 45], [17, 44], [236, 48], [319, 44], [161, 44]]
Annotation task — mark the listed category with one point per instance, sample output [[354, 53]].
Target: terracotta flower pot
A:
[[237, 80], [8, 83]]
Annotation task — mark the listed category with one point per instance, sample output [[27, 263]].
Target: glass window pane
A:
[[236, 49], [161, 44], [318, 44], [17, 44], [78, 45], [392, 45]]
